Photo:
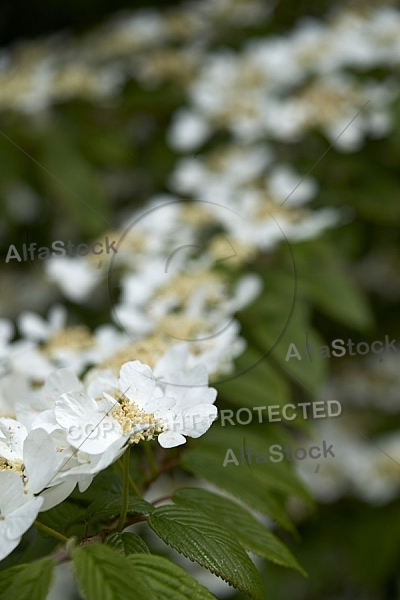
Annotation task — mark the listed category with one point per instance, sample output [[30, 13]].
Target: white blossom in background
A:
[[72, 400], [214, 177], [35, 328], [366, 469], [23, 358], [285, 186], [75, 276], [188, 131]]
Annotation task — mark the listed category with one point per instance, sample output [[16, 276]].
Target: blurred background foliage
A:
[[114, 155]]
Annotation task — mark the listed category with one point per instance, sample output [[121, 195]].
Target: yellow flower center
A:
[[12, 465], [129, 416]]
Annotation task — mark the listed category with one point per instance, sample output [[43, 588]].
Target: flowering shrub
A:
[[215, 271]]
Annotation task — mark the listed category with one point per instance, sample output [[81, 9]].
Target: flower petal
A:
[[59, 382], [11, 492], [40, 459], [76, 409], [198, 419], [170, 439], [16, 523], [105, 381], [137, 382], [175, 358], [33, 327]]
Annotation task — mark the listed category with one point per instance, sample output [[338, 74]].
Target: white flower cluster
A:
[[265, 200], [366, 466], [147, 45], [317, 77], [71, 400], [64, 432]]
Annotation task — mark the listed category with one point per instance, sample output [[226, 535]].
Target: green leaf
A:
[[326, 283], [62, 516], [105, 482], [252, 534], [310, 373], [7, 577], [41, 547], [109, 506], [13, 160], [240, 481], [33, 546], [127, 543], [103, 574], [27, 582], [258, 385], [368, 194], [194, 535], [167, 580], [275, 476], [71, 181], [258, 435], [278, 297]]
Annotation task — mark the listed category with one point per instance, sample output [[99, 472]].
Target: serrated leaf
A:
[[194, 535], [127, 543], [29, 582], [240, 484], [167, 580], [252, 534], [103, 574], [109, 506], [238, 481], [280, 476]]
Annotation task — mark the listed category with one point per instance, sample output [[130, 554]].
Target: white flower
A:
[[286, 186], [21, 358], [70, 347], [224, 170], [310, 226], [34, 404], [79, 414], [17, 511], [77, 277], [35, 459], [188, 131], [193, 411], [106, 341], [26, 360], [14, 388], [218, 351], [35, 328], [6, 333], [138, 406]]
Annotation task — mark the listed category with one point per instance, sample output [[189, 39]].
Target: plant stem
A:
[[134, 487], [50, 531], [132, 484], [150, 460], [125, 490]]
